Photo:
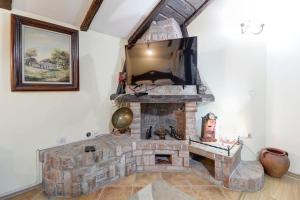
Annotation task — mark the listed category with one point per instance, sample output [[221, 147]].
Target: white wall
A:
[[283, 79], [33, 120], [233, 67], [255, 78]]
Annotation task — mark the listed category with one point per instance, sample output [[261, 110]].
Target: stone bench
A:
[[69, 171], [229, 170]]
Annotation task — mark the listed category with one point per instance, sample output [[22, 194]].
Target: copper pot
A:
[[122, 118], [275, 161]]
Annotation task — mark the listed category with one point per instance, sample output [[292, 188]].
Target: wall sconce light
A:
[[250, 27], [149, 51]]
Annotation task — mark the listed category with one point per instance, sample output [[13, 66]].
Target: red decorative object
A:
[[208, 128], [275, 161], [122, 78]]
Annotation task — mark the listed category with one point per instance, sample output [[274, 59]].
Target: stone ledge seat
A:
[[68, 171], [247, 177], [229, 170]]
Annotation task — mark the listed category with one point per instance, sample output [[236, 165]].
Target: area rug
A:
[[160, 190]]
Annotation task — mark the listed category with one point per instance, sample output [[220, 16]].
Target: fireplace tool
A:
[[121, 120], [174, 134]]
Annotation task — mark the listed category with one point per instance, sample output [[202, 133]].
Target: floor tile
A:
[[28, 195], [176, 178], [208, 193], [126, 181], [116, 193], [285, 188], [186, 189], [232, 195], [92, 196], [197, 180], [143, 179]]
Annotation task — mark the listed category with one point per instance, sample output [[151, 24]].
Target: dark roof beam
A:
[[96, 4], [6, 4]]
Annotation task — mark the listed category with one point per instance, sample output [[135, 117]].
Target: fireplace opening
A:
[[207, 163], [163, 159], [161, 121]]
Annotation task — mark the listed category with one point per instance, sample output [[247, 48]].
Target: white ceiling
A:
[[68, 11], [121, 17], [116, 17]]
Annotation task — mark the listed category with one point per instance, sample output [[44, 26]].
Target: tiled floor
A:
[[193, 185]]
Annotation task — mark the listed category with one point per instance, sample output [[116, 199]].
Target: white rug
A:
[[160, 190]]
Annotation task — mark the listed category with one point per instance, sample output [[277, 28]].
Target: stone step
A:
[[247, 177]]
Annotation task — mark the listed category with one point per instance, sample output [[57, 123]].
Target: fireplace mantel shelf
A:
[[164, 98]]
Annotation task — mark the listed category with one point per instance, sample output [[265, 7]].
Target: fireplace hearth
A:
[[162, 121], [164, 134]]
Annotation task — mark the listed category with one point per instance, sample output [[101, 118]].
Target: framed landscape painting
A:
[[44, 56]]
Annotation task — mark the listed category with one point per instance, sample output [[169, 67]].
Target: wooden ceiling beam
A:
[[197, 13], [146, 23], [5, 4], [96, 4]]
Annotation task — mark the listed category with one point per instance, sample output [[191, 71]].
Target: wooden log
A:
[[5, 4], [197, 12], [96, 4]]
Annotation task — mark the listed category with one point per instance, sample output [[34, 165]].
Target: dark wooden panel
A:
[[160, 17], [146, 23], [195, 3], [5, 4], [96, 4], [197, 12], [182, 7], [170, 13]]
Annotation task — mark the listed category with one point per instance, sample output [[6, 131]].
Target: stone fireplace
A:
[[162, 121], [156, 154], [180, 116]]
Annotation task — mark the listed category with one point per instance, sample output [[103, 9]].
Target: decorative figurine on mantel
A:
[[208, 128]]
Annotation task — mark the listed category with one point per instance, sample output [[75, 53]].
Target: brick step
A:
[[247, 177]]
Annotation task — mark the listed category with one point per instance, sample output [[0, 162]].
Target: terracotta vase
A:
[[275, 161]]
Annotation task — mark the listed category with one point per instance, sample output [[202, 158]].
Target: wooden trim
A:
[[197, 12], [16, 55], [146, 23], [96, 4], [12, 195], [5, 4]]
